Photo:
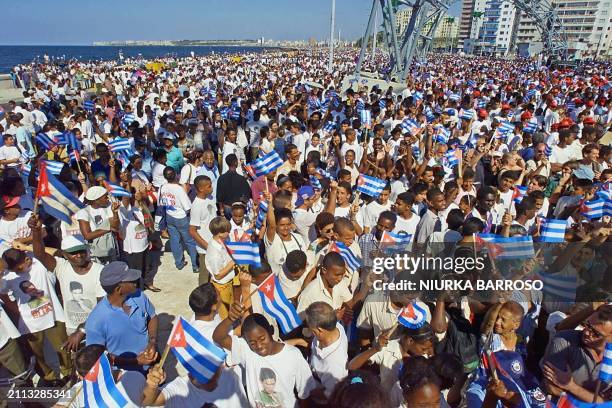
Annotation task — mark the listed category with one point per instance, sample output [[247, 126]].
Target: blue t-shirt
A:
[[123, 334]]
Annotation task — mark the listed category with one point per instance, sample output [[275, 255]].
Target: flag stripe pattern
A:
[[267, 163], [369, 185], [244, 253], [412, 316], [200, 356], [57, 200], [605, 371], [119, 144], [100, 389], [553, 230], [352, 262], [559, 287], [277, 305]]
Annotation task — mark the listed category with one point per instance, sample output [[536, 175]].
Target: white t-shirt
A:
[[271, 380], [132, 384], [203, 210], [18, 228], [10, 153], [181, 393], [135, 236], [216, 259], [80, 293], [304, 221], [176, 200], [372, 211], [188, 174], [39, 306], [157, 175], [561, 155], [408, 226], [329, 363], [277, 250], [7, 328]]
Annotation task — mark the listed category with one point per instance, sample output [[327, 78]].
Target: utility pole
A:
[[331, 37], [375, 35]]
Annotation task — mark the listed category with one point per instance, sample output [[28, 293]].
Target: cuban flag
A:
[[503, 129], [89, 106], [559, 287], [454, 96], [352, 262], [244, 253], [329, 126], [72, 141], [324, 173], [471, 83], [267, 163], [409, 125], [418, 96], [99, 388], [61, 139], [553, 230], [530, 127], [393, 238], [54, 167], [370, 185], [128, 118], [530, 94], [44, 141], [605, 371], [453, 157], [467, 114], [366, 118], [200, 356], [315, 183], [382, 104], [592, 209], [26, 169], [276, 304], [261, 214], [442, 135], [514, 247], [119, 144], [412, 316], [116, 191], [74, 155], [519, 193], [224, 111], [57, 200], [360, 105]]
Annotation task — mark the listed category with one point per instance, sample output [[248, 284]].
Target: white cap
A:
[[95, 192], [73, 243]]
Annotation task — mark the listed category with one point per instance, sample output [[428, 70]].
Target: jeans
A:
[[178, 229]]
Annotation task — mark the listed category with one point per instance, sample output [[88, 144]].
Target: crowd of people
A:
[[470, 149]]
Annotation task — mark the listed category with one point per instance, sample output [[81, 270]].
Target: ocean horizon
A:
[[12, 55]]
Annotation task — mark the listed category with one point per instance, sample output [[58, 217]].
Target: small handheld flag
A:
[[200, 356], [553, 230], [57, 200], [116, 191], [393, 238], [370, 185], [519, 193], [267, 163], [530, 127], [605, 370], [44, 141], [366, 118], [276, 304], [559, 287], [99, 386], [315, 183], [592, 209], [352, 262], [244, 253], [119, 144], [412, 316], [54, 167]]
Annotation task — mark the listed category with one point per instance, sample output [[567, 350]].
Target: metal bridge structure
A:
[[416, 39]]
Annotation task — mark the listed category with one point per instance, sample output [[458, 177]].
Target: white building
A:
[[498, 29]]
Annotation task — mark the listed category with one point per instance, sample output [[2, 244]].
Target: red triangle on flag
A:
[[386, 238], [334, 248], [267, 287], [408, 311], [360, 180], [177, 338], [43, 182], [92, 374]]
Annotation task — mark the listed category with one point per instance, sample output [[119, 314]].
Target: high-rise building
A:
[[498, 28], [402, 18]]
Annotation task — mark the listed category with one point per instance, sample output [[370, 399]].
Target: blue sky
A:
[[63, 22]]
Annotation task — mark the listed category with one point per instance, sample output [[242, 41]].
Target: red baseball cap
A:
[[588, 121], [476, 93], [9, 201], [505, 106], [482, 113], [525, 115], [590, 103], [565, 123]]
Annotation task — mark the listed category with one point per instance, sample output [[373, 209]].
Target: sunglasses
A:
[[589, 327]]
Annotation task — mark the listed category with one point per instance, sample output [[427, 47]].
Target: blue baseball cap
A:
[[303, 194]]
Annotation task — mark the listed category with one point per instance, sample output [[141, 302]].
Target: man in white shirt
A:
[[176, 203], [329, 348], [203, 210]]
